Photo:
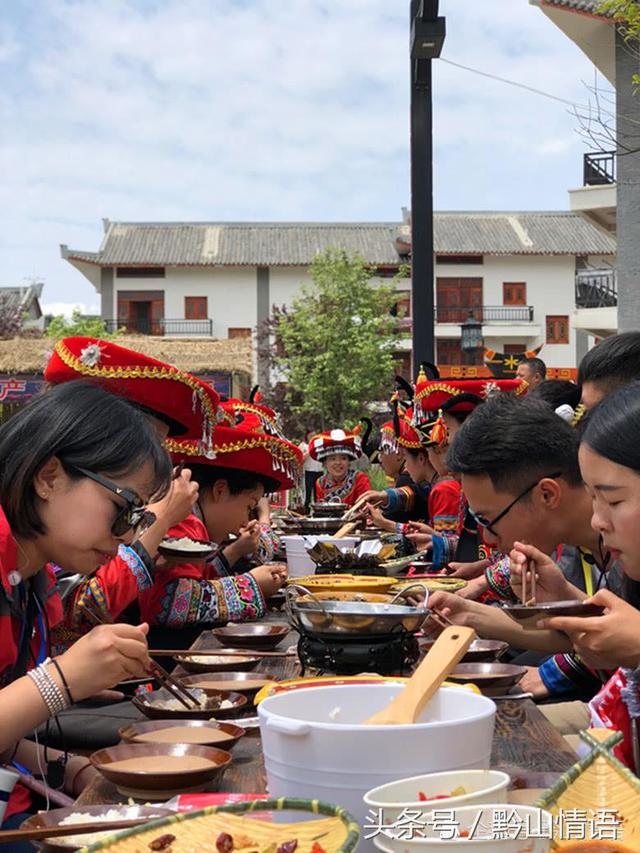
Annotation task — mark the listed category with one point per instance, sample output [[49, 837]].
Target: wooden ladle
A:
[[447, 651]]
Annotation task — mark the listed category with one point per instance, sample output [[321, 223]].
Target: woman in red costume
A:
[[77, 470], [336, 450], [246, 466]]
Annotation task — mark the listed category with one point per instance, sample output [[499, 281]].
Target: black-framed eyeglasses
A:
[[483, 521], [133, 517]]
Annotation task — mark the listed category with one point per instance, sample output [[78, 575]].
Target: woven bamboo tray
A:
[[336, 832], [599, 781]]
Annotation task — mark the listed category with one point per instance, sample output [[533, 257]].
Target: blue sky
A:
[[263, 110]]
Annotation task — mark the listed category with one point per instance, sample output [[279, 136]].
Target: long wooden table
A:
[[525, 744]]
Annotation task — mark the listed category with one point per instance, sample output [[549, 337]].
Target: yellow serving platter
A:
[[344, 583], [336, 681], [442, 584]]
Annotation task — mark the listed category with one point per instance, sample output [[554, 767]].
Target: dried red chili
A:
[[162, 842], [224, 843]]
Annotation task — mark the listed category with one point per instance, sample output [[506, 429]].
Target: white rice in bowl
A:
[[93, 837]]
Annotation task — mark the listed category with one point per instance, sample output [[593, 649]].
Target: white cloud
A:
[[67, 308], [220, 109]]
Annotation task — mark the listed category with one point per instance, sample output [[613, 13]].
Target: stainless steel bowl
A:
[[328, 509], [311, 526], [354, 618]]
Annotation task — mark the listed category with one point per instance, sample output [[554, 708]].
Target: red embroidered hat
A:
[[187, 404], [247, 450], [335, 441], [431, 395], [252, 416], [388, 438]]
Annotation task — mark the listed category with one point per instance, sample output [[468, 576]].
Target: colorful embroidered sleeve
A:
[[401, 499], [498, 576], [564, 673], [443, 549], [189, 601], [268, 544], [111, 589], [444, 506]]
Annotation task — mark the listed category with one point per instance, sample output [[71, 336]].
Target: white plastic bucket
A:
[[8, 779], [309, 754], [299, 563]]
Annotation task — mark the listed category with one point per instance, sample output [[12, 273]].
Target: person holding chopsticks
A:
[[78, 468]]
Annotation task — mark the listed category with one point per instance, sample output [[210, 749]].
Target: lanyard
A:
[[30, 612], [588, 574]]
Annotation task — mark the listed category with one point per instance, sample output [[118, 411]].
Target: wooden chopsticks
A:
[[39, 832], [529, 567], [221, 652], [176, 687], [168, 681], [440, 619]]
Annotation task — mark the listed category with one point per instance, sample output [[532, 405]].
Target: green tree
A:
[[61, 327], [335, 345], [626, 14]]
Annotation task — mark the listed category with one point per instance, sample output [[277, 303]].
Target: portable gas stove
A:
[[387, 654]]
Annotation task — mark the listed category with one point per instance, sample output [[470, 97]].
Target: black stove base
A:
[[387, 655]]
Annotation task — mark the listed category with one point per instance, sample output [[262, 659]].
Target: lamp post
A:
[[471, 339], [427, 37]]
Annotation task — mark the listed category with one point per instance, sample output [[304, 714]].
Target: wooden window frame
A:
[[553, 324], [519, 285], [193, 300]]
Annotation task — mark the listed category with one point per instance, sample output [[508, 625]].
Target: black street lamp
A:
[[471, 339], [427, 37]]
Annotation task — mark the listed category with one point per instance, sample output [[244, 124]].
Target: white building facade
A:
[[514, 272]]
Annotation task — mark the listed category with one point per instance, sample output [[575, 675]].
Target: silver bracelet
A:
[[51, 694]]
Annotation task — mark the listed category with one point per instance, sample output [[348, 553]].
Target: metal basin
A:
[[355, 618]]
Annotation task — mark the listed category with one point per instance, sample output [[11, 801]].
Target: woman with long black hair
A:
[[77, 468]]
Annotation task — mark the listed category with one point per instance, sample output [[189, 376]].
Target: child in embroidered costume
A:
[[336, 449], [246, 465], [77, 469], [405, 496]]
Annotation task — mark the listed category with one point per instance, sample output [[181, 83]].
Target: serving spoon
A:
[[447, 651]]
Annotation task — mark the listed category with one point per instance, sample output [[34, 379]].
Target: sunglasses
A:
[[132, 517], [482, 521]]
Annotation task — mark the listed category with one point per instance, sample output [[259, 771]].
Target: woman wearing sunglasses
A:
[[77, 468]]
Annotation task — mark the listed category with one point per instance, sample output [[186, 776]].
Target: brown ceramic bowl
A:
[[478, 652], [251, 636], [491, 676], [247, 683], [68, 844], [158, 766], [532, 614], [153, 706], [193, 662], [221, 735]]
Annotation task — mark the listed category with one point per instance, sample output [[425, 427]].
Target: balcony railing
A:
[[596, 289], [163, 327], [485, 313], [599, 169]]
